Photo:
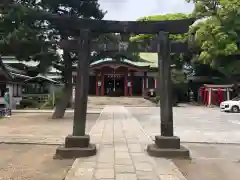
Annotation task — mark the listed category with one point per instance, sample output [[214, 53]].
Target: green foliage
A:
[[177, 59], [217, 35], [114, 39], [58, 94], [178, 37], [24, 38], [178, 76], [22, 33], [28, 103]]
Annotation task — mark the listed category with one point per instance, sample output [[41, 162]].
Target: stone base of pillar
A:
[[168, 147], [76, 146]]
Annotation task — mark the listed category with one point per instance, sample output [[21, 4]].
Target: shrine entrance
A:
[[166, 144], [114, 84]]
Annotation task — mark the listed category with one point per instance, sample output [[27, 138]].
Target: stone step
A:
[[124, 101]]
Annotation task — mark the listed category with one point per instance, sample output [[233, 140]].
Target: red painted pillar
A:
[[125, 85], [102, 84], [155, 83]]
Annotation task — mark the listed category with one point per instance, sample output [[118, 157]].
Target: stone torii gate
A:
[[166, 145], [77, 144]]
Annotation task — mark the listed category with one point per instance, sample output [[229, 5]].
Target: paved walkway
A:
[[121, 154]]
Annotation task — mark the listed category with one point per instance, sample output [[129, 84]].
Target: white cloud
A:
[[133, 9]]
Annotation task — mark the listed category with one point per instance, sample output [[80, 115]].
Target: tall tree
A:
[[25, 39], [217, 34], [29, 9], [178, 59], [80, 9]]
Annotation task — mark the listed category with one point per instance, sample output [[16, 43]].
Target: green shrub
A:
[[28, 103], [49, 103]]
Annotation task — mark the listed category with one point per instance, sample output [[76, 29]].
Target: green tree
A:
[[25, 39], [115, 39], [217, 34], [178, 59], [80, 9], [29, 11], [147, 37]]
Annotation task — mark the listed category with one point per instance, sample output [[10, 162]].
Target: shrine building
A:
[[110, 77]]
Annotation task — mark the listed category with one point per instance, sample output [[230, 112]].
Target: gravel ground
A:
[[31, 162], [35, 162], [211, 162], [39, 127]]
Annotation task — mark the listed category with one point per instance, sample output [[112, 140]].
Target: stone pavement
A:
[[123, 101], [121, 153], [193, 124]]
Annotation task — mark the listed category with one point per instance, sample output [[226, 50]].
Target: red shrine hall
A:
[[112, 78]]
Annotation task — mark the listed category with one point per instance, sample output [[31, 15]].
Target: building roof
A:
[[107, 60], [5, 72], [13, 60], [148, 60], [218, 85], [14, 70], [41, 78], [20, 68]]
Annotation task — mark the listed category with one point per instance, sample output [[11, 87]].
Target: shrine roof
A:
[[149, 60], [218, 85], [41, 78], [13, 60], [4, 72]]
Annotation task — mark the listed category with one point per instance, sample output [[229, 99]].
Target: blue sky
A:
[[132, 9]]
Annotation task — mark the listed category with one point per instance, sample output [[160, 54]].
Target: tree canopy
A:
[[177, 16], [26, 36], [178, 59], [217, 34]]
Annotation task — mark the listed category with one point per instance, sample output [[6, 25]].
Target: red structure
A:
[[120, 78], [211, 94]]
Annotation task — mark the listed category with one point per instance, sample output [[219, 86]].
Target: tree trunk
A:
[[236, 88], [67, 90]]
